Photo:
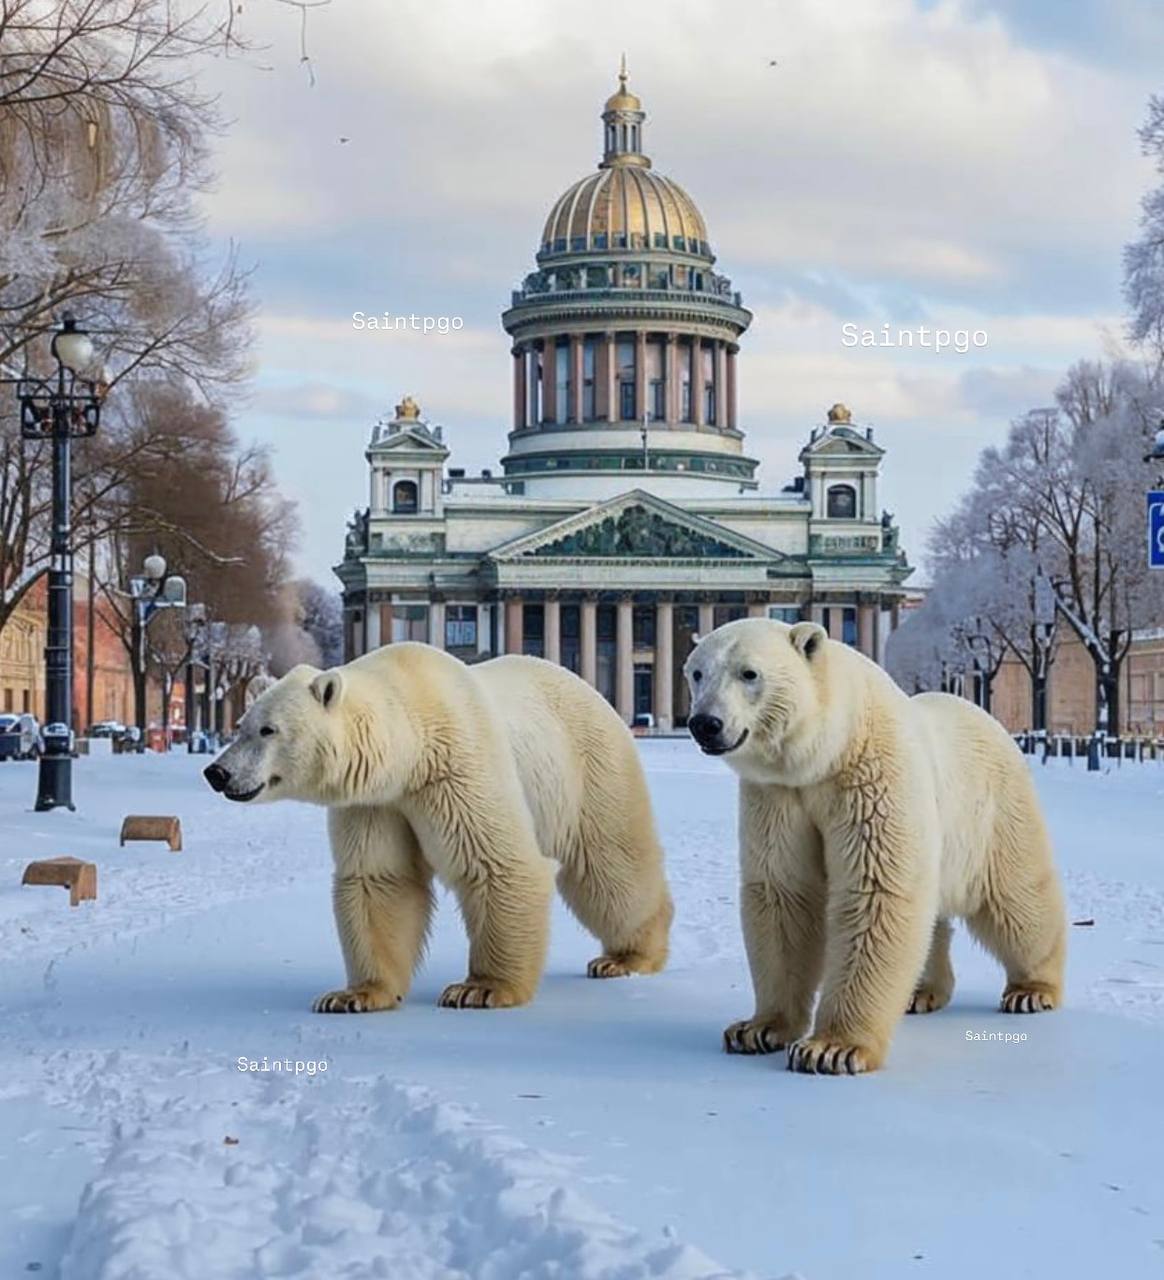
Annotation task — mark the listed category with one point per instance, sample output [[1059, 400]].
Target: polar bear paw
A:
[[755, 1035], [824, 1057], [623, 965], [928, 1000], [356, 1000], [1028, 998], [479, 993]]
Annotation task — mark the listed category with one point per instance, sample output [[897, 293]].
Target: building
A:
[[108, 678], [1071, 689], [627, 515]]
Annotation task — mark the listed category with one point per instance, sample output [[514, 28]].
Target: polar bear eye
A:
[[267, 730], [749, 674], [697, 676]]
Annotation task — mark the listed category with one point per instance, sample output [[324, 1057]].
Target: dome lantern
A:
[[622, 120]]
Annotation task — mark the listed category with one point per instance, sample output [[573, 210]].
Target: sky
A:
[[958, 164]]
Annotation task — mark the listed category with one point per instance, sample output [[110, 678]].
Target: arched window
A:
[[842, 502], [404, 498]]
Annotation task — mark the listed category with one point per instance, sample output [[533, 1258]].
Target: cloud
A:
[[963, 163]]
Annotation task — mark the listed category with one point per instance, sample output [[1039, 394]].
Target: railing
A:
[[1091, 746]]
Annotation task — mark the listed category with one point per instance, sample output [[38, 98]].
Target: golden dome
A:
[[622, 99], [630, 207]]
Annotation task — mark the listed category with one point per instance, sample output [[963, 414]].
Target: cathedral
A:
[[626, 516]]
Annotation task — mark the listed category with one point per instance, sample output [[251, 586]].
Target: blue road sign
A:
[[1156, 528]]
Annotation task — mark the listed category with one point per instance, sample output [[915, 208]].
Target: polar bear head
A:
[[305, 738], [760, 697]]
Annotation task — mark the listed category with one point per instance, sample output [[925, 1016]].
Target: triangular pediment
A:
[[841, 442], [635, 525], [407, 440]]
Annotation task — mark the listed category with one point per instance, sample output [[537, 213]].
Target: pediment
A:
[[842, 442], [407, 441], [639, 526]]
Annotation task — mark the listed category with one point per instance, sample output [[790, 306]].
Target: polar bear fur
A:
[[867, 821], [477, 776]]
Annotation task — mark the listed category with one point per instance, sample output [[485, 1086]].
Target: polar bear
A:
[[867, 820], [477, 776]]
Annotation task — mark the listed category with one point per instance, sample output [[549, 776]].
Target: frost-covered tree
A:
[[1144, 257], [1051, 535], [103, 146]]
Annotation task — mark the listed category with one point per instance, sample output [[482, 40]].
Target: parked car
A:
[[19, 737], [106, 729]]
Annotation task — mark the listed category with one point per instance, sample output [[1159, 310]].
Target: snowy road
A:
[[600, 1132]]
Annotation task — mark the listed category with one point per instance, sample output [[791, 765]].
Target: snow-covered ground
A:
[[600, 1132]]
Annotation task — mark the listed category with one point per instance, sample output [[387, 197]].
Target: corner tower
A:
[[625, 338]]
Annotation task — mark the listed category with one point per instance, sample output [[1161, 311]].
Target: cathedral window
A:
[[404, 498], [562, 382], [842, 502], [461, 626], [589, 361]]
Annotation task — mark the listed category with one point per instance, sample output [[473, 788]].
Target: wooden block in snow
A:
[[140, 826], [80, 878]]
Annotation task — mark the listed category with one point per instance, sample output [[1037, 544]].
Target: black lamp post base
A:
[[54, 789]]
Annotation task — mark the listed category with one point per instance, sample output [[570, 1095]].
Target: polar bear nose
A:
[[217, 776], [704, 728]]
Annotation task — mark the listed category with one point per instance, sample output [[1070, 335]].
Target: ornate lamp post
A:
[[151, 590], [59, 410]]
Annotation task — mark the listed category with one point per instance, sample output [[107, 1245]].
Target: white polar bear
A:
[[477, 775], [867, 820]]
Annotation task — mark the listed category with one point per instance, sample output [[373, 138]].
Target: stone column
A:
[[484, 620], [756, 610], [732, 392], [605, 392], [553, 631], [866, 627], [576, 379], [372, 629], [697, 381], [386, 624], [706, 620], [640, 375], [436, 624], [514, 624], [836, 621], [664, 664], [671, 379], [519, 393], [624, 666], [358, 637], [721, 400], [588, 640]]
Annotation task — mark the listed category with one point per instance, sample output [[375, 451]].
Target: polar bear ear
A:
[[328, 688], [807, 637]]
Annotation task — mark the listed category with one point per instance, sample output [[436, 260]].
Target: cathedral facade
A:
[[627, 516]]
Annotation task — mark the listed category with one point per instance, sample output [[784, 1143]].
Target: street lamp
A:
[[59, 411], [151, 590]]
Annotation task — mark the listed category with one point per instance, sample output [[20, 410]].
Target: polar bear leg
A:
[[383, 903], [936, 985], [782, 910], [619, 894], [504, 887], [882, 890], [1022, 919], [784, 934]]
